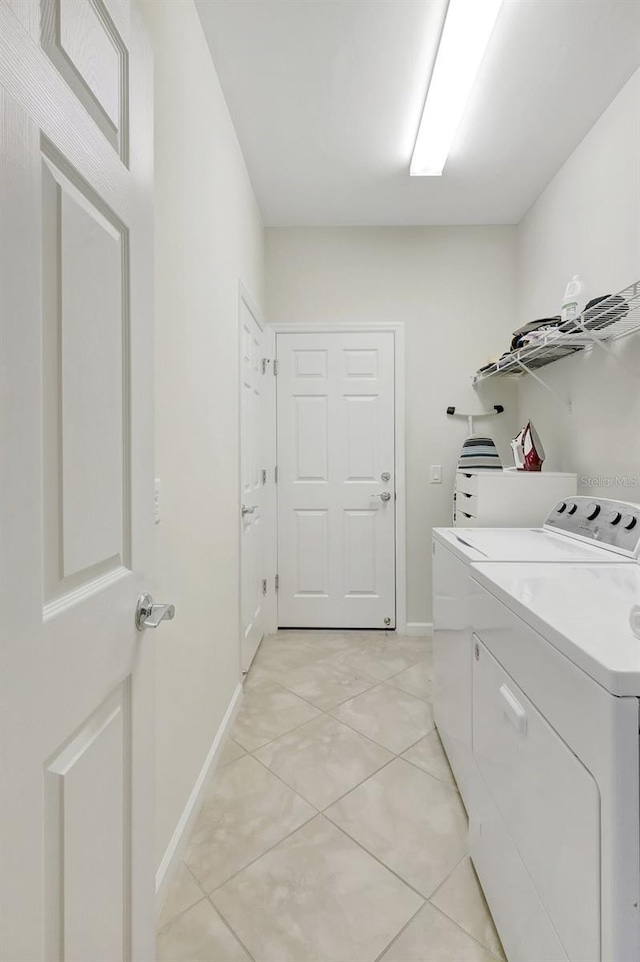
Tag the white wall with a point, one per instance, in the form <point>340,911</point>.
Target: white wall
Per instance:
<point>208,235</point>
<point>587,222</point>
<point>455,290</point>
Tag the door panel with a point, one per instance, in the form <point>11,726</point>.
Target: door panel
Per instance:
<point>88,42</point>
<point>335,440</point>
<point>84,253</point>
<point>87,785</point>
<point>311,438</point>
<point>76,292</point>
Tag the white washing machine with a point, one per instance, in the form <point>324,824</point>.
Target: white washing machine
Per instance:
<point>564,538</point>
<point>555,823</point>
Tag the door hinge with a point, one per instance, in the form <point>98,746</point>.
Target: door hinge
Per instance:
<point>277,583</point>
<point>264,586</point>
<point>275,474</point>
<point>264,475</point>
<point>275,367</point>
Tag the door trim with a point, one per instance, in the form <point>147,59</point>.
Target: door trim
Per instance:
<point>270,554</point>
<point>397,328</point>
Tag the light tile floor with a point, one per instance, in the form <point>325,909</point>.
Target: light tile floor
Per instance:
<point>333,830</point>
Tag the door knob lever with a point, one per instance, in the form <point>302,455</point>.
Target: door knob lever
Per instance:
<point>246,510</point>
<point>149,615</point>
<point>384,496</point>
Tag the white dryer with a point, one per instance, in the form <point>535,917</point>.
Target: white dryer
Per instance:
<point>555,823</point>
<point>564,538</point>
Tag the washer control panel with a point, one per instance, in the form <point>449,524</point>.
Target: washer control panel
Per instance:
<point>612,524</point>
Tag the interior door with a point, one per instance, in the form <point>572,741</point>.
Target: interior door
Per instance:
<point>336,485</point>
<point>254,479</point>
<point>76,276</point>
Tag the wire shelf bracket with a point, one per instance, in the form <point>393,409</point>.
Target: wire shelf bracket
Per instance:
<point>536,377</point>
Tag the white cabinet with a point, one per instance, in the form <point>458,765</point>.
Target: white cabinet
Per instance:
<point>509,498</point>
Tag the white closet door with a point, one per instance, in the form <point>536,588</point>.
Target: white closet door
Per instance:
<point>76,294</point>
<point>253,481</point>
<point>336,490</point>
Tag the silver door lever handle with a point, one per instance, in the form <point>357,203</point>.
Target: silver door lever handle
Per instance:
<point>385,496</point>
<point>246,510</point>
<point>149,615</point>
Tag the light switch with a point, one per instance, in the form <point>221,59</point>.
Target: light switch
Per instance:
<point>436,474</point>
<point>156,501</point>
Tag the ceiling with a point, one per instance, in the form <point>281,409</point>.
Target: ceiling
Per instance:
<point>326,96</point>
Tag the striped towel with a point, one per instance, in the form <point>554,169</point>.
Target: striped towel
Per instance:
<point>479,453</point>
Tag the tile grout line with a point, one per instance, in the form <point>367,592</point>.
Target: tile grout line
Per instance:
<point>455,921</point>
<point>227,925</point>
<point>447,784</point>
<point>464,931</point>
<point>376,858</point>
<point>205,898</point>
<point>345,654</point>
<point>295,791</point>
<point>326,710</point>
<point>398,934</point>
<point>328,713</point>
<point>344,722</point>
<point>316,814</point>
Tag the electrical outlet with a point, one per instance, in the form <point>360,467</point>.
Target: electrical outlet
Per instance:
<point>156,501</point>
<point>436,474</point>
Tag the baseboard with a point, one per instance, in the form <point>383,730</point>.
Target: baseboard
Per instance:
<point>419,628</point>
<point>173,854</point>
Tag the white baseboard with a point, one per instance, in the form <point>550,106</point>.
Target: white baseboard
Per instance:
<point>173,854</point>
<point>419,628</point>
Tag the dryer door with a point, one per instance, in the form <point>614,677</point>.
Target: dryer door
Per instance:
<point>549,803</point>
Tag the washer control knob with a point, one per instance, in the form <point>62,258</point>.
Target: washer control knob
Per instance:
<point>572,507</point>
<point>593,510</point>
<point>629,522</point>
<point>562,506</point>
<point>613,517</point>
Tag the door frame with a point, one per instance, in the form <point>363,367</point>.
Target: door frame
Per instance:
<point>269,504</point>
<point>397,328</point>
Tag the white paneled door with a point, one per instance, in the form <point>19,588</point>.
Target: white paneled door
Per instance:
<point>336,486</point>
<point>76,276</point>
<point>256,480</point>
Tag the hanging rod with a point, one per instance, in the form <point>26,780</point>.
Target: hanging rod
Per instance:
<point>497,409</point>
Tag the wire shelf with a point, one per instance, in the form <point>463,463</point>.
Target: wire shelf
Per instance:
<point>614,317</point>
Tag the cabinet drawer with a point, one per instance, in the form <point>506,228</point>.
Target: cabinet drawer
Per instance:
<point>468,503</point>
<point>467,482</point>
<point>465,520</point>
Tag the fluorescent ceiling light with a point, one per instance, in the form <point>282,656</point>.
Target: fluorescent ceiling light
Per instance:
<point>465,36</point>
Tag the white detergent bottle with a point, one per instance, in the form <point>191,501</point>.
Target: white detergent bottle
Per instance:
<point>573,298</point>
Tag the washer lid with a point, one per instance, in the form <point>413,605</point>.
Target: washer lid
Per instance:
<point>583,610</point>
<point>522,544</point>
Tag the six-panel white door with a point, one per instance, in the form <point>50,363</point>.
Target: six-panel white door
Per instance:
<point>336,525</point>
<point>76,276</point>
<point>253,480</point>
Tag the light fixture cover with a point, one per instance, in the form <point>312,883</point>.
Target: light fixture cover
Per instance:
<point>465,36</point>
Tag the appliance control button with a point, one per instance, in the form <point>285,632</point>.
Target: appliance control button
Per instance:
<point>572,507</point>
<point>561,507</point>
<point>593,510</point>
<point>629,522</point>
<point>613,517</point>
